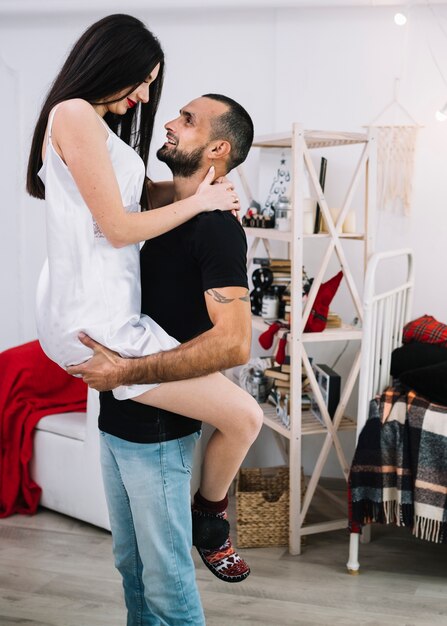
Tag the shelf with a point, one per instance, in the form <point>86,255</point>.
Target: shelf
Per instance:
<point>345,332</point>
<point>259,322</point>
<point>311,426</point>
<point>268,233</point>
<point>314,139</point>
<point>272,233</point>
<point>272,420</point>
<point>309,423</point>
<point>358,236</point>
<point>304,423</point>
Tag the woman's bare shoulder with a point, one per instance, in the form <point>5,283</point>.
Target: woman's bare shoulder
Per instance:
<point>77,117</point>
<point>74,119</point>
<point>76,109</point>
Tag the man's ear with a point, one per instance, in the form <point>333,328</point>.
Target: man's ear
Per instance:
<point>219,149</point>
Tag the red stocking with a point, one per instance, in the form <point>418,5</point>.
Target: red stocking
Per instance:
<point>281,353</point>
<point>318,316</point>
<point>266,339</point>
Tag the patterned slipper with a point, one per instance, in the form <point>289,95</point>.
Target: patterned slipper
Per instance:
<point>225,563</point>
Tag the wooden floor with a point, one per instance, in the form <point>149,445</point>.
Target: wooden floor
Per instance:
<point>58,571</point>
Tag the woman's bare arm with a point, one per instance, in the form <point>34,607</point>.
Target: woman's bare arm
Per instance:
<point>81,139</point>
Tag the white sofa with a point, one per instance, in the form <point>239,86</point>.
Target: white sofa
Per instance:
<point>66,464</point>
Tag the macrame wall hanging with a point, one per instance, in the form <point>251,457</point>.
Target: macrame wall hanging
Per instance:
<point>395,166</point>
<point>396,147</point>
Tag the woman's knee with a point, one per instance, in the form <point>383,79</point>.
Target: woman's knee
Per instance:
<point>252,420</point>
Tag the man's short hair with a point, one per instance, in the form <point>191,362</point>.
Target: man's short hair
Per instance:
<point>235,126</point>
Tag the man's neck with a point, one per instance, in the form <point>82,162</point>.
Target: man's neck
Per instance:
<point>186,187</point>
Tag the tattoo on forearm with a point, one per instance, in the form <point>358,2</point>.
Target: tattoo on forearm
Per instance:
<point>221,299</point>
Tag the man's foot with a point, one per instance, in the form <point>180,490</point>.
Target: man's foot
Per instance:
<point>225,563</point>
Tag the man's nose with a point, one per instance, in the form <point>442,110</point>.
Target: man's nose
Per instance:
<point>170,125</point>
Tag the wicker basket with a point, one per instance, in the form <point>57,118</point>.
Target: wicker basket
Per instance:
<point>262,503</point>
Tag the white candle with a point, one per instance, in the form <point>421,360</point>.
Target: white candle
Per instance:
<point>308,223</point>
<point>334,214</point>
<point>309,205</point>
<point>308,216</point>
<point>349,223</point>
<point>283,224</point>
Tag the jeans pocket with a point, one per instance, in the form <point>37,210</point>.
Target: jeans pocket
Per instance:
<point>197,435</point>
<point>186,446</point>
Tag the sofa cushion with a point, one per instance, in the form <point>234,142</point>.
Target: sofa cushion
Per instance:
<point>71,425</point>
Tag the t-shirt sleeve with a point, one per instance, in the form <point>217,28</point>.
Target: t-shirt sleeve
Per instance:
<point>220,249</point>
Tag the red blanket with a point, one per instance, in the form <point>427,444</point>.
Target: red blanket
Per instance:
<point>31,386</point>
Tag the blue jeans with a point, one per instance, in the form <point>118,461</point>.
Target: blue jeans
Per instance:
<point>148,496</point>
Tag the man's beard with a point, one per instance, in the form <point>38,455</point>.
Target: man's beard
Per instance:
<point>181,163</point>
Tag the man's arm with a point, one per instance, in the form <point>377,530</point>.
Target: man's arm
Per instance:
<point>225,345</point>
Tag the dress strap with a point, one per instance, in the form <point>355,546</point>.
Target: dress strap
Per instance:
<point>50,121</point>
<point>104,123</point>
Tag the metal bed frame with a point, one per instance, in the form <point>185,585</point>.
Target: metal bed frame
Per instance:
<point>385,314</point>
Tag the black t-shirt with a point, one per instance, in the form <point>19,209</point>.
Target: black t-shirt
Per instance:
<point>208,252</point>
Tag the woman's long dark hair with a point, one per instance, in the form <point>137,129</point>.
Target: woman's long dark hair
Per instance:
<point>114,54</point>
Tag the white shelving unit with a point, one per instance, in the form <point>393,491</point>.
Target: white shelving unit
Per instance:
<point>303,423</point>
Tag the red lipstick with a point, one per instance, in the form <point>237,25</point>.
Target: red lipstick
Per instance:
<point>131,103</point>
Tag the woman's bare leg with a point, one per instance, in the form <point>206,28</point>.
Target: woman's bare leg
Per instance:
<point>237,418</point>
<point>216,400</point>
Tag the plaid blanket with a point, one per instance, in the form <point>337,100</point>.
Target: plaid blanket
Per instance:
<point>399,471</point>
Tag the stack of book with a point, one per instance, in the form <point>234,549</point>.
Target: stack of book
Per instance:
<point>280,268</point>
<point>281,382</point>
<point>333,320</point>
<point>286,298</point>
<point>281,377</point>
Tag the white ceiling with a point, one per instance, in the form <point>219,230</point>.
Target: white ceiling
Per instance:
<point>14,7</point>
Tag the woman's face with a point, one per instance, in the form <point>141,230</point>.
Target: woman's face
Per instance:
<point>125,102</point>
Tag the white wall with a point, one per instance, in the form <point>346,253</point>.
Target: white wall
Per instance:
<point>330,68</point>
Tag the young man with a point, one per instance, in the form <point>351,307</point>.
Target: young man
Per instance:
<point>193,282</point>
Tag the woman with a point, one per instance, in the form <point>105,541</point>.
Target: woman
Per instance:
<point>103,102</point>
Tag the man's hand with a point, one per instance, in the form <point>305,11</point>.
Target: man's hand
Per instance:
<point>104,371</point>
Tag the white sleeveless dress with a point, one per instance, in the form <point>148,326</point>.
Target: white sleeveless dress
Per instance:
<point>86,284</point>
